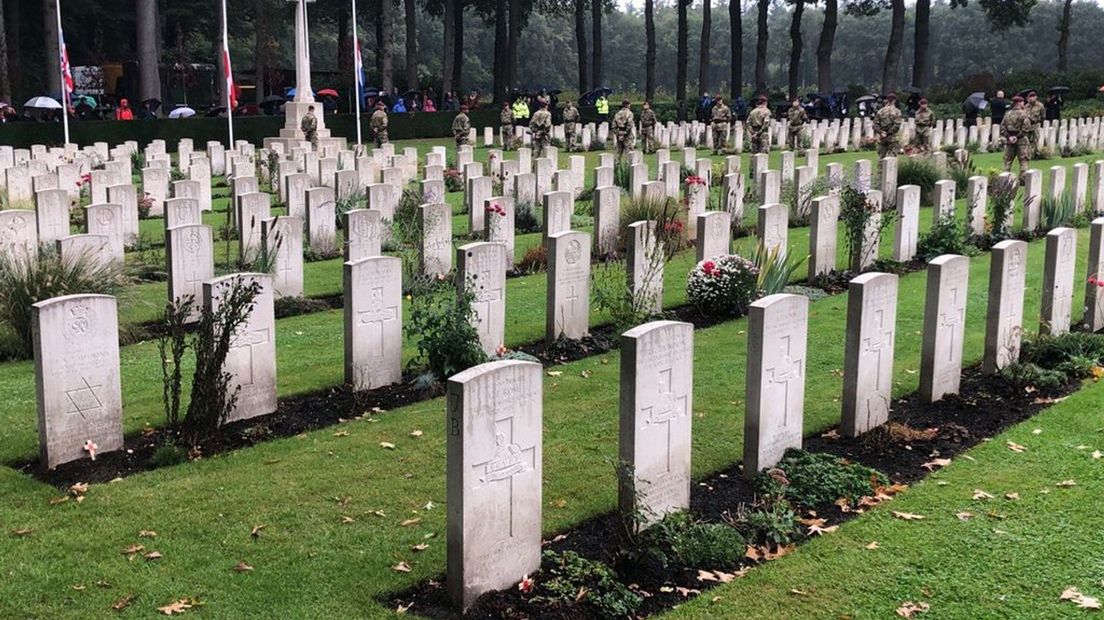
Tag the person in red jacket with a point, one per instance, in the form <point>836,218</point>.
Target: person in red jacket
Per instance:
<point>123,112</point>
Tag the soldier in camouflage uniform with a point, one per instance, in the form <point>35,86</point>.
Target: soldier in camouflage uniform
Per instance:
<point>541,126</point>
<point>623,126</point>
<point>721,118</point>
<point>925,121</point>
<point>378,123</point>
<point>310,128</point>
<point>1015,130</point>
<point>506,125</point>
<point>461,127</point>
<point>647,128</point>
<point>887,122</point>
<point>571,120</point>
<point>797,118</point>
<point>1035,112</point>
<point>758,126</point>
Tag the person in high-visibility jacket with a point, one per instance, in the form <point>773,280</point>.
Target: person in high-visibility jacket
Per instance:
<point>603,106</point>
<point>521,111</point>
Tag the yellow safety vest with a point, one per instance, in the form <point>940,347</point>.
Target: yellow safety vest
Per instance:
<point>603,105</point>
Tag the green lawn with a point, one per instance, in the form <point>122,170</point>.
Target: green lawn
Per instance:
<point>1011,565</point>
<point>307,563</point>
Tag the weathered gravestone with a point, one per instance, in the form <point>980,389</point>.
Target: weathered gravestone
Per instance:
<point>189,253</point>
<point>493,471</point>
<point>107,219</point>
<point>435,255</point>
<point>363,233</point>
<point>499,222</point>
<point>775,380</point>
<point>251,362</point>
<point>1004,313</point>
<point>79,393</point>
<point>607,218</point>
<point>944,327</point>
<point>644,262</point>
<point>657,385</point>
<point>1058,268</point>
<point>868,352</point>
<point>567,309</point>
<point>373,322</point>
<point>252,209</point>
<point>907,233</point>
<point>182,212</point>
<point>823,235</point>
<point>321,221</point>
<point>774,227</point>
<point>481,269</point>
<point>282,244</point>
<point>558,209</point>
<point>1093,319</point>
<point>52,215</point>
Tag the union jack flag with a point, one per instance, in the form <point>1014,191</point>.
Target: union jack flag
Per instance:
<point>66,73</point>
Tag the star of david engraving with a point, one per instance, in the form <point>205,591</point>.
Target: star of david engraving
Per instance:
<point>83,399</point>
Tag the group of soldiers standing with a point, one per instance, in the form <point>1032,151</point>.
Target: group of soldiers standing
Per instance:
<point>1020,130</point>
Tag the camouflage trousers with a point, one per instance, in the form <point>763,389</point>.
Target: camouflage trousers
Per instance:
<point>887,147</point>
<point>540,140</point>
<point>720,137</point>
<point>461,140</point>
<point>647,135</point>
<point>381,138</point>
<point>922,139</point>
<point>571,137</point>
<point>793,137</point>
<point>624,145</point>
<point>507,136</point>
<point>1020,151</point>
<point>760,143</point>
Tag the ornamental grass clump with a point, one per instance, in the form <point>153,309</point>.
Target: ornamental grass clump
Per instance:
<point>724,286</point>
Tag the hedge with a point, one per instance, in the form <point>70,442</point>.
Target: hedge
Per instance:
<point>252,128</point>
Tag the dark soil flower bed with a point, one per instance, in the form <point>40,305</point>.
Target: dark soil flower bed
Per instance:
<point>905,450</point>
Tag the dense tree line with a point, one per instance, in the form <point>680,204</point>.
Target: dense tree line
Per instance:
<point>495,46</point>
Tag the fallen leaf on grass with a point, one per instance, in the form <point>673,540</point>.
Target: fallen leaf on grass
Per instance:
<point>402,609</point>
<point>1037,431</point>
<point>934,463</point>
<point>907,516</point>
<point>59,500</point>
<point>341,434</point>
<point>1012,496</point>
<point>969,458</point>
<point>554,373</point>
<point>872,545</point>
<point>820,530</point>
<point>1015,447</point>
<point>1076,597</point>
<point>242,567</point>
<point>345,520</point>
<point>415,433</point>
<point>256,531</point>
<point>79,587</point>
<point>386,445</point>
<point>964,516</point>
<point>153,555</point>
<point>1065,484</point>
<point>686,592</point>
<point>401,567</point>
<point>178,607</point>
<point>123,603</point>
<point>23,531</point>
<point>133,549</point>
<point>982,495</point>
<point>420,547</point>
<point>147,534</point>
<point>797,592</point>
<point>1097,454</point>
<point>908,609</point>
<point>410,522</point>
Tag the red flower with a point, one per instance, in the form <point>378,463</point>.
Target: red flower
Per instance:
<point>526,584</point>
<point>709,267</point>
<point>1093,280</point>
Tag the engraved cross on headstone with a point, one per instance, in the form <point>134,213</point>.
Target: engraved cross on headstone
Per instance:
<point>245,344</point>
<point>509,460</point>
<point>878,344</point>
<point>377,317</point>
<point>952,320</point>
<point>784,373</point>
<point>668,407</point>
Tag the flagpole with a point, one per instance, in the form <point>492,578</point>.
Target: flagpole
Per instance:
<point>61,74</point>
<point>357,71</point>
<point>226,77</point>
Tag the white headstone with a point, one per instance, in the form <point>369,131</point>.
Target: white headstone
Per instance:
<point>373,322</point>
<point>251,362</point>
<point>868,352</point>
<point>944,327</point>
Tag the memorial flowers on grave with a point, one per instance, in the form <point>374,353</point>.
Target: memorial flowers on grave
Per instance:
<point>724,286</point>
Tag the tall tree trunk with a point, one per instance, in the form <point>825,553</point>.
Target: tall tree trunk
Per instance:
<point>1063,36</point>
<point>386,44</point>
<point>703,51</point>
<point>260,48</point>
<point>761,38</point>
<point>597,71</point>
<point>458,47</point>
<point>14,58</point>
<point>344,41</point>
<point>921,41</point>
<point>50,34</point>
<point>499,72</point>
<point>581,42</point>
<point>448,57</point>
<point>796,47</point>
<point>683,52</point>
<point>5,78</point>
<point>411,44</point>
<point>736,47</point>
<point>512,45</point>
<point>893,49</point>
<point>825,45</point>
<point>650,50</point>
<point>149,73</point>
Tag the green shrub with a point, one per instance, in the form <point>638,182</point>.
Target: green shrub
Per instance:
<point>668,215</point>
<point>38,276</point>
<point>856,211</point>
<point>1001,205</point>
<point>441,324</point>
<point>527,218</point>
<point>960,171</point>
<point>920,171</point>
<point>1053,361</point>
<point>766,523</point>
<point>622,175</point>
<point>1023,375</point>
<point>681,540</point>
<point>815,479</point>
<point>571,578</point>
<point>801,203</point>
<point>168,455</point>
<point>1058,211</point>
<point>947,235</point>
<point>294,306</point>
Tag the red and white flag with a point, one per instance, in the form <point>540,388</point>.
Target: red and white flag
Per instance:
<point>66,73</point>
<point>231,88</point>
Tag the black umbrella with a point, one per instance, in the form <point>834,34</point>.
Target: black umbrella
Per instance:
<point>1059,90</point>
<point>841,90</point>
<point>976,100</point>
<point>1023,93</point>
<point>152,104</point>
<point>214,112</point>
<point>866,98</point>
<point>412,93</point>
<point>911,90</point>
<point>271,99</point>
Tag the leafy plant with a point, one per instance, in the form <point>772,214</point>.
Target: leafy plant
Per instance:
<point>534,261</point>
<point>682,540</point>
<point>668,215</point>
<point>857,211</point>
<point>947,235</point>
<point>767,522</point>
<point>961,168</point>
<point>776,268</point>
<point>26,279</point>
<point>442,326</point>
<point>1048,361</point>
<point>813,479</point>
<point>1058,211</point>
<point>571,578</point>
<point>1001,205</point>
<point>527,218</point>
<point>613,297</point>
<point>801,202</point>
<point>723,286</point>
<point>920,171</point>
<point>454,180</point>
<point>622,175</point>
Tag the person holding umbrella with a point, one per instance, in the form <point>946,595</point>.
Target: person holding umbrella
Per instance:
<point>997,107</point>
<point>1054,107</point>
